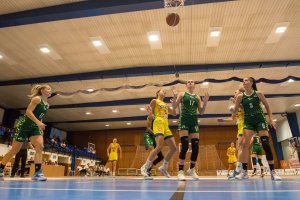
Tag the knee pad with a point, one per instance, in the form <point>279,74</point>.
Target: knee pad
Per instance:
<point>260,163</point>
<point>195,149</point>
<point>159,158</point>
<point>266,147</point>
<point>184,147</point>
<point>254,161</point>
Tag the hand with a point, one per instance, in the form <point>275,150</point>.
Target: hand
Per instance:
<point>272,123</point>
<point>41,126</point>
<point>175,92</point>
<point>149,109</point>
<point>206,97</point>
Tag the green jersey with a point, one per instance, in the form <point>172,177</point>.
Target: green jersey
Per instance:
<point>39,112</point>
<point>256,140</point>
<point>189,104</point>
<point>251,104</point>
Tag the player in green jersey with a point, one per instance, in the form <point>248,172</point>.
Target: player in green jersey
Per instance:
<point>31,127</point>
<point>188,126</point>
<point>256,151</point>
<point>254,121</point>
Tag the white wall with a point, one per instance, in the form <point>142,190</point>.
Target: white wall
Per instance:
<point>283,130</point>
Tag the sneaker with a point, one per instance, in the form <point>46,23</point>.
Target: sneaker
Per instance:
<point>38,176</point>
<point>242,175</point>
<point>181,176</point>
<point>164,171</point>
<point>233,175</point>
<point>144,171</point>
<point>192,172</point>
<point>148,177</point>
<point>253,174</point>
<point>263,174</point>
<point>275,177</point>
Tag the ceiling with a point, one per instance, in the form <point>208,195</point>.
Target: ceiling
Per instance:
<point>126,75</point>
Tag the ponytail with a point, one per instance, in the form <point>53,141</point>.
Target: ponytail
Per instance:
<point>253,83</point>
<point>37,90</point>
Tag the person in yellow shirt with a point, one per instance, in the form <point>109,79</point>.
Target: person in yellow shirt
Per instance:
<point>161,132</point>
<point>112,153</point>
<point>231,153</point>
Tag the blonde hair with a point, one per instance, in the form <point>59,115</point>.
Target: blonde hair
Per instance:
<point>37,90</point>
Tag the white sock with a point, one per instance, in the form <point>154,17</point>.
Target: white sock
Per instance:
<point>165,164</point>
<point>147,164</point>
<point>239,167</point>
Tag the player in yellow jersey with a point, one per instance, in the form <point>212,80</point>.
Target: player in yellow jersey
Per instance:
<point>231,153</point>
<point>161,132</point>
<point>112,153</point>
<point>239,118</point>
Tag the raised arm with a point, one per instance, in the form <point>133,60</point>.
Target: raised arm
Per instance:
<point>237,104</point>
<point>202,107</point>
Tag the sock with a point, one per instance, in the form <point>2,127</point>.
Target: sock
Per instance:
<point>181,167</point>
<point>148,163</point>
<point>192,165</point>
<point>2,166</point>
<point>38,167</point>
<point>238,167</point>
<point>245,166</point>
<point>165,164</point>
<point>271,167</point>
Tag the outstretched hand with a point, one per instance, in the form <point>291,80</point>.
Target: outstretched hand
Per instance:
<point>206,97</point>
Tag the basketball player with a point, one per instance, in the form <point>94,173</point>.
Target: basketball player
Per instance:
<point>150,143</point>
<point>112,153</point>
<point>31,126</point>
<point>188,126</point>
<point>256,152</point>
<point>254,122</point>
<point>161,132</point>
<point>231,153</point>
<point>239,118</point>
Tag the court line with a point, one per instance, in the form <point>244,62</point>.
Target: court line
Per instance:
<point>152,191</point>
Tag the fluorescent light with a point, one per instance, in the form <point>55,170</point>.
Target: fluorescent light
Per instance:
<point>291,80</point>
<point>88,113</point>
<point>171,107</point>
<point>280,29</point>
<point>114,111</point>
<point>153,37</point>
<point>128,123</point>
<point>90,90</point>
<point>274,120</point>
<point>198,120</point>
<point>174,121</point>
<point>205,83</point>
<point>142,109</point>
<point>97,43</point>
<point>297,105</point>
<point>215,33</point>
<point>45,50</point>
<point>107,125</point>
<point>1,56</point>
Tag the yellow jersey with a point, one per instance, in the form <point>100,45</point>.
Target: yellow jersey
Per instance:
<point>161,109</point>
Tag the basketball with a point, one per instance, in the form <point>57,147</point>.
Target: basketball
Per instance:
<point>172,19</point>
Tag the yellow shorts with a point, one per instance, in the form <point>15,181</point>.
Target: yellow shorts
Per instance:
<point>232,159</point>
<point>161,127</point>
<point>113,156</point>
<point>240,130</point>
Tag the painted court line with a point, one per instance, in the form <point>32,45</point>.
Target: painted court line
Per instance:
<point>153,191</point>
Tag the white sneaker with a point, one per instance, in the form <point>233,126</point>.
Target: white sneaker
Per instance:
<point>181,176</point>
<point>148,177</point>
<point>38,176</point>
<point>144,171</point>
<point>253,174</point>
<point>192,172</point>
<point>164,171</point>
<point>242,175</point>
<point>233,175</point>
<point>274,176</point>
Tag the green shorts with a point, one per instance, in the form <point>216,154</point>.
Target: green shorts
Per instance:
<point>149,140</point>
<point>188,123</point>
<point>256,149</point>
<point>256,123</point>
<point>26,129</point>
